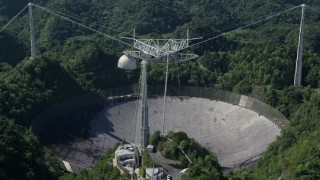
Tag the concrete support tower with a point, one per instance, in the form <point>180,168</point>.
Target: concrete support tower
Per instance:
<point>153,50</point>
<point>144,99</point>
<point>32,38</point>
<point>298,71</point>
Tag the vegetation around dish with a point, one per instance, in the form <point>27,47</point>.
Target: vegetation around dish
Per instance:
<point>147,162</point>
<point>203,165</point>
<point>103,170</point>
<point>258,61</point>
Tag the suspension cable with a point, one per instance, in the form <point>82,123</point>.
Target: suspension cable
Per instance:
<point>66,15</point>
<point>5,26</point>
<point>81,25</point>
<point>178,74</point>
<point>58,14</point>
<point>242,27</point>
<point>313,9</point>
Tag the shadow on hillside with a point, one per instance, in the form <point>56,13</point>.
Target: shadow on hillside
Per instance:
<point>76,124</point>
<point>12,51</point>
<point>102,125</point>
<point>69,127</point>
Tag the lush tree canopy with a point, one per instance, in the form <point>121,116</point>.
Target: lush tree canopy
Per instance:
<point>259,59</point>
<point>21,155</point>
<point>204,164</point>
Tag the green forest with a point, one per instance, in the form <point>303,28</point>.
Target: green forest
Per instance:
<point>202,163</point>
<point>258,61</point>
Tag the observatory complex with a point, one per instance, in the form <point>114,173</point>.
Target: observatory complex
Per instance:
<point>237,128</point>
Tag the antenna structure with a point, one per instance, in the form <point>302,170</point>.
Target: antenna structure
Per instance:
<point>298,70</point>
<point>32,37</point>
<point>153,50</point>
<point>156,50</point>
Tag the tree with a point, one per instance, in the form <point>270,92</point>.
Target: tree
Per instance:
<point>21,155</point>
<point>155,138</point>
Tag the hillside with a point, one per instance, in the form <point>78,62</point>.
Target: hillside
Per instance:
<point>73,61</point>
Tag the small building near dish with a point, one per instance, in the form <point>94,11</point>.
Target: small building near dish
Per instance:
<point>127,158</point>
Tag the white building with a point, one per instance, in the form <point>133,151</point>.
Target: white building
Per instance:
<point>155,174</point>
<point>127,158</point>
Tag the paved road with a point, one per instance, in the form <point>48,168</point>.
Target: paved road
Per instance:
<point>165,163</point>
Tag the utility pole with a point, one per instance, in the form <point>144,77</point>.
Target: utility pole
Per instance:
<point>32,38</point>
<point>298,71</point>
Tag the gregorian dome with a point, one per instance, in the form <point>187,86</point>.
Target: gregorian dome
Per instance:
<point>126,62</point>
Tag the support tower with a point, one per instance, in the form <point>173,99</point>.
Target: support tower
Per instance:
<point>152,50</point>
<point>32,38</point>
<point>298,71</point>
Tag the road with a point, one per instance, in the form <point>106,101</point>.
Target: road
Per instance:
<point>166,164</point>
